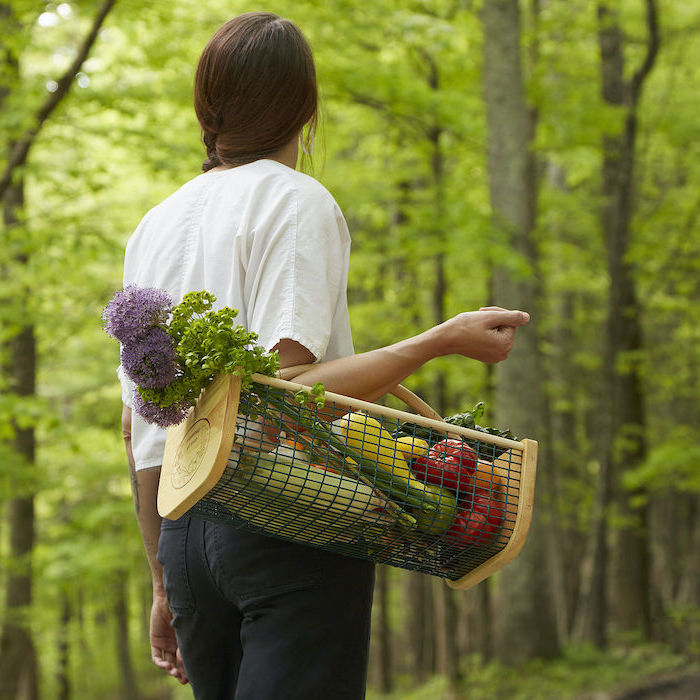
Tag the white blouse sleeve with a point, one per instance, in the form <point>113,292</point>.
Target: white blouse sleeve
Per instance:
<point>297,279</point>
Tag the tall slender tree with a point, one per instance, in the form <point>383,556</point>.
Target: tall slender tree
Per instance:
<point>623,404</point>
<point>525,625</point>
<point>18,672</point>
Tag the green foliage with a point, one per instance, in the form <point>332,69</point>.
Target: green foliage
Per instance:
<point>670,465</point>
<point>317,396</point>
<point>208,343</point>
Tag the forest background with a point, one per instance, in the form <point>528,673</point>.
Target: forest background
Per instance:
<point>540,155</point>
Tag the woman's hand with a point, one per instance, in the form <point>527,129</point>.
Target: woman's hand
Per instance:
<point>486,335</point>
<point>164,649</point>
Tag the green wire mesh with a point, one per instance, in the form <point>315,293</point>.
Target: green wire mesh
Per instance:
<point>306,474</point>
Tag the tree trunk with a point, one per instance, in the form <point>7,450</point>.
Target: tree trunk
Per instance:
<point>525,625</point>
<point>18,672</point>
<point>385,669</point>
<point>440,239</point>
<point>568,458</point>
<point>688,597</point>
<point>18,675</point>
<point>478,633</point>
<point>592,615</point>
<point>63,651</point>
<point>121,612</point>
<point>626,447</point>
<point>421,630</point>
<point>446,643</point>
<point>447,629</point>
<point>483,599</point>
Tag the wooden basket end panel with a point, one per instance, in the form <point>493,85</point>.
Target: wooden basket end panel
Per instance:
<point>526,498</point>
<point>196,451</point>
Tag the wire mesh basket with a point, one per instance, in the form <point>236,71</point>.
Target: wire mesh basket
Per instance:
<point>356,478</point>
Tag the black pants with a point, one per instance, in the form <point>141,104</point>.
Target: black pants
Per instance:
<point>258,618</point>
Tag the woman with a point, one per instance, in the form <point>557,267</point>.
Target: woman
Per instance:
<point>254,617</point>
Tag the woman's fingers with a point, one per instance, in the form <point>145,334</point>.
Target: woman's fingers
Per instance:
<point>504,317</point>
<point>158,657</point>
<point>170,662</point>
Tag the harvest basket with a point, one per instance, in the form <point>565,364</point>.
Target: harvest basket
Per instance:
<point>338,477</point>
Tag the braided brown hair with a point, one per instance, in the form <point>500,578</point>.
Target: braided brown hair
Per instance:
<point>255,89</point>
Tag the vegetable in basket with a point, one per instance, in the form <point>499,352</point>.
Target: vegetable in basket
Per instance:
<point>275,501</point>
<point>440,521</point>
<point>451,463</point>
<point>294,448</point>
<point>310,486</point>
<point>372,448</point>
<point>478,524</point>
<point>396,486</point>
<point>463,420</point>
<point>365,434</point>
<point>412,447</point>
<point>437,507</point>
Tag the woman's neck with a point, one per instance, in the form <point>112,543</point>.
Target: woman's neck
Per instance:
<point>289,154</point>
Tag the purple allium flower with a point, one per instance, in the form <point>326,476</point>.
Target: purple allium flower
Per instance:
<point>164,417</point>
<point>134,310</point>
<point>149,359</point>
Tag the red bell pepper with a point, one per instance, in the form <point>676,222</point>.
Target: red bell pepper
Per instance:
<point>476,525</point>
<point>450,463</point>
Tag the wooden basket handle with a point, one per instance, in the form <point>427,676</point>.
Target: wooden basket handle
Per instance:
<point>399,391</point>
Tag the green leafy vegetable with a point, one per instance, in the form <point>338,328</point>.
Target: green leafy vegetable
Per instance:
<point>208,343</point>
<point>463,420</point>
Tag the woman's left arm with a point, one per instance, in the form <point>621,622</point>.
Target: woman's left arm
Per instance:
<point>486,335</point>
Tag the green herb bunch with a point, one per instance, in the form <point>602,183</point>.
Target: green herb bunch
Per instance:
<point>208,343</point>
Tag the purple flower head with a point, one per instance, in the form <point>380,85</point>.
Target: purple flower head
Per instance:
<point>133,310</point>
<point>164,417</point>
<point>149,359</point>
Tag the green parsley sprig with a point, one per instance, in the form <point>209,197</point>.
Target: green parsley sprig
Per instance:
<point>207,343</point>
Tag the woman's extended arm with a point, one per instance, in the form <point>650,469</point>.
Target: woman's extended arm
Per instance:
<point>144,489</point>
<point>486,335</point>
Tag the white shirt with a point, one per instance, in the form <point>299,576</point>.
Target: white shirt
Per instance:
<point>264,239</point>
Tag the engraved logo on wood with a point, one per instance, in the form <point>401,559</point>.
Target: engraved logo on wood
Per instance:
<point>191,453</point>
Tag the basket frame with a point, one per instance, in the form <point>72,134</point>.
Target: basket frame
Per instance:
<point>197,451</point>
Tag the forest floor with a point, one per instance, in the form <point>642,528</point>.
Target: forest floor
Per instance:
<point>625,672</point>
<point>684,686</point>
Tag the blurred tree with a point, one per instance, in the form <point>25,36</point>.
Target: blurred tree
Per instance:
<point>623,441</point>
<point>525,625</point>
